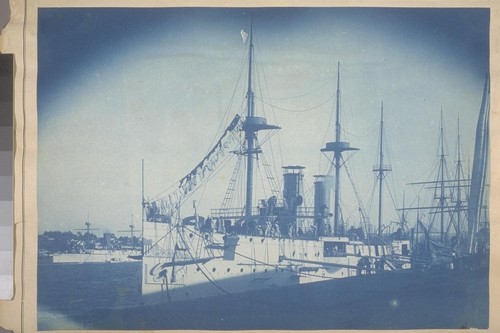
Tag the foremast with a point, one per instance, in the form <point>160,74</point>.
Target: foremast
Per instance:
<point>251,126</point>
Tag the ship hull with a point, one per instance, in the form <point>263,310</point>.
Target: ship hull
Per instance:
<point>92,257</point>
<point>180,263</point>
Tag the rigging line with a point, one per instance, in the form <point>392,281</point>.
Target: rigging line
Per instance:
<point>222,289</point>
<point>226,113</point>
<point>273,114</point>
<point>203,188</point>
<point>229,195</point>
<point>261,180</point>
<point>171,188</point>
<point>272,152</point>
<point>372,195</point>
<point>159,240</point>
<point>308,192</point>
<point>201,270</point>
<point>356,193</point>
<point>368,130</point>
<point>205,181</point>
<point>430,172</point>
<point>275,184</point>
<point>390,194</point>
<point>214,173</point>
<point>296,110</point>
<point>257,77</point>
<point>174,185</point>
<point>328,128</point>
<point>394,189</point>
<point>327,81</point>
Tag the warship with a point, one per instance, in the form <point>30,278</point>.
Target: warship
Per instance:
<point>88,249</point>
<point>275,242</point>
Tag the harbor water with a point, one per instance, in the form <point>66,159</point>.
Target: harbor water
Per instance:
<point>107,296</point>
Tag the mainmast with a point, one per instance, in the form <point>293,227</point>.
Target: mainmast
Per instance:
<point>337,147</point>
<point>250,135</point>
<point>381,170</point>
<point>251,126</point>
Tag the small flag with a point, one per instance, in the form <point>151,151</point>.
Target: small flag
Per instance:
<point>244,35</point>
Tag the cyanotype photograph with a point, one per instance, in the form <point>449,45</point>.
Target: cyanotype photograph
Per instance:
<point>263,168</point>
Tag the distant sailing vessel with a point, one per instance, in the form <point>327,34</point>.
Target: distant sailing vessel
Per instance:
<point>278,242</point>
<point>460,207</point>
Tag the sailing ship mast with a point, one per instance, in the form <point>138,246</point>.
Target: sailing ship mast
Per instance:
<point>442,162</point>
<point>337,147</point>
<point>381,170</point>
<point>459,204</point>
<point>439,184</point>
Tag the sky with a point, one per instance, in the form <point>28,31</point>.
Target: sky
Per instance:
<point>118,86</point>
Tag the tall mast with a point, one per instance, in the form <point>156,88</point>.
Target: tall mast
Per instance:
<point>337,108</point>
<point>143,205</point>
<point>459,182</point>
<point>441,172</point>
<point>381,170</point>
<point>338,156</point>
<point>251,126</point>
<point>250,135</point>
<point>403,216</point>
<point>337,147</point>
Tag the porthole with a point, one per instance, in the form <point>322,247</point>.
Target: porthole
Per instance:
<point>251,239</point>
<point>228,270</point>
<point>265,270</point>
<point>262,240</point>
<point>213,269</point>
<point>190,235</point>
<point>197,269</point>
<point>241,270</point>
<point>254,270</point>
<point>293,254</point>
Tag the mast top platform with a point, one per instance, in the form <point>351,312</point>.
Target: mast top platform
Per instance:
<point>254,124</point>
<point>338,147</point>
<point>382,168</point>
<point>294,167</point>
